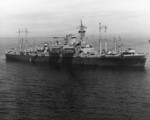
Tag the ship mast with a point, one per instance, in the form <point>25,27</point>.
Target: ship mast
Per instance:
<point>21,40</point>
<point>100,39</point>
<point>115,42</point>
<point>120,44</point>
<point>26,32</point>
<point>105,40</point>
<point>19,32</point>
<point>20,45</point>
<point>100,42</point>
<point>82,31</point>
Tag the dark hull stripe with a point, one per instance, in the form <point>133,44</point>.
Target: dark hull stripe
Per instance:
<point>101,61</point>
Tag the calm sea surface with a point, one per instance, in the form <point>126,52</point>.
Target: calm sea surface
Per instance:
<point>46,92</point>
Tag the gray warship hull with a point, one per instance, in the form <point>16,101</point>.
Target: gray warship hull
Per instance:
<point>109,60</point>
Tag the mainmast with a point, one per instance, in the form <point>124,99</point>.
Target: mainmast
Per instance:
<point>82,31</point>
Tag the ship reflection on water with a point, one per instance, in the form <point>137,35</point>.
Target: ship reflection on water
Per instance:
<point>40,91</point>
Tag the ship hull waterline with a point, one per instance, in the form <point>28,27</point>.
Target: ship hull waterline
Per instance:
<point>138,61</point>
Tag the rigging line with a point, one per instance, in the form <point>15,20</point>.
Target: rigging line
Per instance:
<point>111,32</point>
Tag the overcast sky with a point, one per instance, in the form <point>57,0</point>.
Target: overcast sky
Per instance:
<point>52,17</point>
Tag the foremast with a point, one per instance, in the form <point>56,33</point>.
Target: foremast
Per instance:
<point>82,31</point>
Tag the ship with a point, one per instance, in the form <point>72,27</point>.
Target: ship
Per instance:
<point>79,52</point>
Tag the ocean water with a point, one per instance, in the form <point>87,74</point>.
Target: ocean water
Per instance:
<point>47,92</point>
